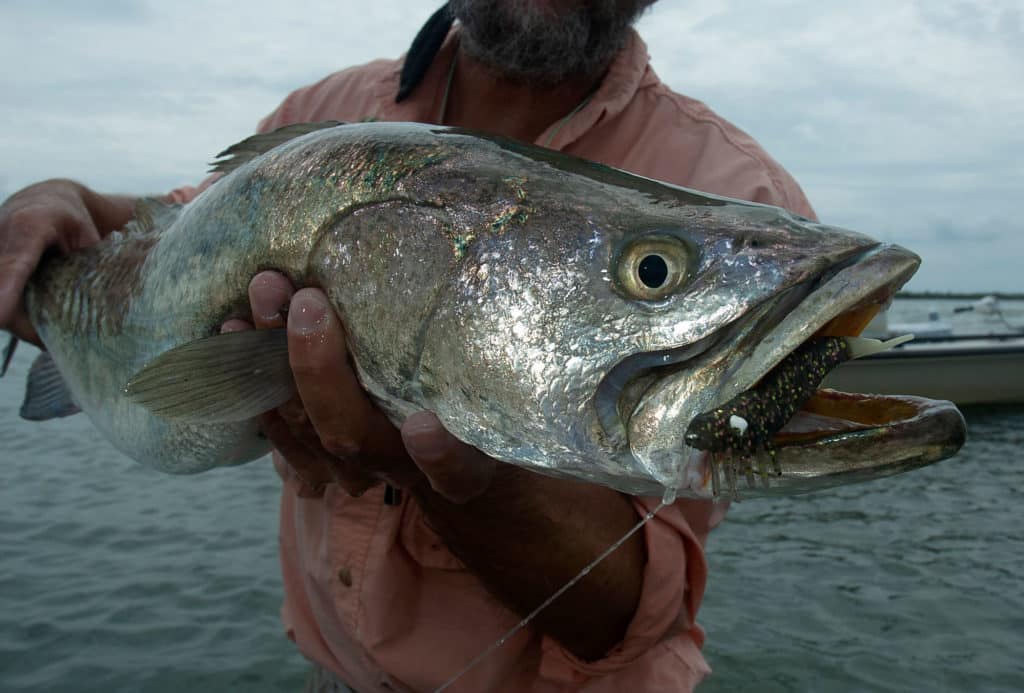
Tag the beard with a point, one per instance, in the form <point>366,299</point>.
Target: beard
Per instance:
<point>527,43</point>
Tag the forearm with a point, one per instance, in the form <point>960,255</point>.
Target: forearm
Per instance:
<point>528,535</point>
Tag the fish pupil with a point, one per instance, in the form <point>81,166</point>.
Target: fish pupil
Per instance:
<point>652,271</point>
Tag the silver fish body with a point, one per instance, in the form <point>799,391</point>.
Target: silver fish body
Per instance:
<point>555,313</point>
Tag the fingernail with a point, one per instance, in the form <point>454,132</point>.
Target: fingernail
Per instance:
<point>307,315</point>
<point>234,326</point>
<point>268,298</point>
<point>424,438</point>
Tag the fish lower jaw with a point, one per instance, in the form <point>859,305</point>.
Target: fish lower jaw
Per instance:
<point>832,412</point>
<point>837,438</point>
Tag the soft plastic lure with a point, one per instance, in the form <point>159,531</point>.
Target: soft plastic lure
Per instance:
<point>742,428</point>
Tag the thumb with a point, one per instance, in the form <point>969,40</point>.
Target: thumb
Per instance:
<point>457,471</point>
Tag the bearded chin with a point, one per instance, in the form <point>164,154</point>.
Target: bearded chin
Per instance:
<point>541,46</point>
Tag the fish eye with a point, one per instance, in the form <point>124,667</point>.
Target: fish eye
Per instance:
<point>651,268</point>
<point>652,271</point>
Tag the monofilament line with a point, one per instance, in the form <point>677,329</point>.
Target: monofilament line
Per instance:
<point>667,499</point>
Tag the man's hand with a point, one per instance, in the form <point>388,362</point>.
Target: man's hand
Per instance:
<point>57,214</point>
<point>331,431</point>
<point>522,535</point>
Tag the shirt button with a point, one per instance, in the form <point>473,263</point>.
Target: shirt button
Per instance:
<point>345,576</point>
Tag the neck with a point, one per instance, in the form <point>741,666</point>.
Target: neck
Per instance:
<point>480,101</point>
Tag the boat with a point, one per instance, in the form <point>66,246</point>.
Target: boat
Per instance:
<point>941,363</point>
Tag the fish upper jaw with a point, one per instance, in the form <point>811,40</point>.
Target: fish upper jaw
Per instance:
<point>839,302</point>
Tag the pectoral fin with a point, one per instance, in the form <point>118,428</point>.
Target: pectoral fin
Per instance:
<point>46,395</point>
<point>224,378</point>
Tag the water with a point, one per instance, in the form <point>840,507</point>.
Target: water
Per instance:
<point>117,578</point>
<point>914,583</point>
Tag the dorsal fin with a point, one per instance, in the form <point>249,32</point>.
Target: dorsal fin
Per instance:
<point>251,147</point>
<point>152,215</point>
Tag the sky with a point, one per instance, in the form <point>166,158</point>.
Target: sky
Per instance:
<point>900,119</point>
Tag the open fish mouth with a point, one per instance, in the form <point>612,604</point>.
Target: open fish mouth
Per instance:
<point>744,403</point>
<point>786,436</point>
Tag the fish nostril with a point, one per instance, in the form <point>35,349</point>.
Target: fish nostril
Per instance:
<point>750,242</point>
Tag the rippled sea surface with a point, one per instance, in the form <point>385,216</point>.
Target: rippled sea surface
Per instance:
<point>117,578</point>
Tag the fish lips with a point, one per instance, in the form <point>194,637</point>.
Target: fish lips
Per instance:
<point>912,434</point>
<point>859,438</point>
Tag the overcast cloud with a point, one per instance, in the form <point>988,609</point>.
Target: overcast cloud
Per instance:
<point>900,119</point>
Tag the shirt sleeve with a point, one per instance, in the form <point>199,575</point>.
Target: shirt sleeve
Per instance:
<point>663,640</point>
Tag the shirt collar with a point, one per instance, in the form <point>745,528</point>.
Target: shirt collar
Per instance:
<point>423,105</point>
<point>627,73</point>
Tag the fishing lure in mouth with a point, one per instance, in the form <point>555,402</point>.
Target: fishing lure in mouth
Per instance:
<point>741,429</point>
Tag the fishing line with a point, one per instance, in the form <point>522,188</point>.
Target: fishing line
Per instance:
<point>667,499</point>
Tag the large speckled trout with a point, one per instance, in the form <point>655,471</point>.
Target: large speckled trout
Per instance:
<point>554,313</point>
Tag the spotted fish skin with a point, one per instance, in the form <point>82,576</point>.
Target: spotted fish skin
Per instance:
<point>767,407</point>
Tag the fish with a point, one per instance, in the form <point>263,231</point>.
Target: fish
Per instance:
<point>555,313</point>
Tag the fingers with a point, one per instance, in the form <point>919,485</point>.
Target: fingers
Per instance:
<point>20,250</point>
<point>313,475</point>
<point>235,326</point>
<point>455,470</point>
<point>337,407</point>
<point>269,295</point>
<point>14,273</point>
<point>21,327</point>
<point>331,431</point>
<point>293,413</point>
<point>292,435</point>
<point>311,465</point>
<point>316,350</point>
<point>32,220</point>
<point>22,243</point>
<point>315,447</point>
<point>347,424</point>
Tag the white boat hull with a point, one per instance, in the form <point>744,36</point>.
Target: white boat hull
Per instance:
<point>966,370</point>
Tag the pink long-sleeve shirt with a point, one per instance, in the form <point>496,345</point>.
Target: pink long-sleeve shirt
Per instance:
<point>371,592</point>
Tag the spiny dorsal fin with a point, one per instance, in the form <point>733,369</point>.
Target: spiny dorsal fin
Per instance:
<point>251,147</point>
<point>152,215</point>
<point>46,395</point>
<point>227,377</point>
